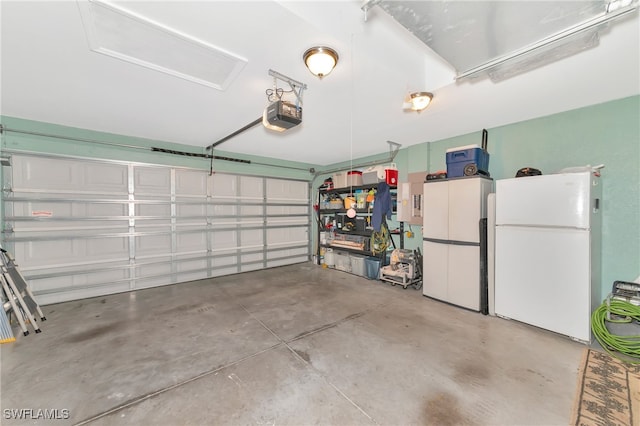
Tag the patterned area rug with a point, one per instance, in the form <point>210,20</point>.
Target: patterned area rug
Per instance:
<point>608,392</point>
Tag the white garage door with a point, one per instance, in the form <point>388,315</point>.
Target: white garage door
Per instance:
<point>84,228</point>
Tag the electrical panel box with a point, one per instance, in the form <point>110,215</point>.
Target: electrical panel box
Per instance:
<point>410,203</point>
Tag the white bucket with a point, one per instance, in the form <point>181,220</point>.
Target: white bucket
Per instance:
<point>329,258</point>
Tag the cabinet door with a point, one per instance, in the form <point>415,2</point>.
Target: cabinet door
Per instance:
<point>435,270</point>
<point>464,276</point>
<point>464,209</point>
<point>436,210</point>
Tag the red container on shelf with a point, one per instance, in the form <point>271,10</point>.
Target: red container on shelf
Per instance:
<point>391,175</point>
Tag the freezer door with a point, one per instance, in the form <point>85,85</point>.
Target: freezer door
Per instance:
<point>548,200</point>
<point>436,210</point>
<point>542,278</point>
<point>435,272</point>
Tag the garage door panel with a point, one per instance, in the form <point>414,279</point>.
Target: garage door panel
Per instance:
<point>287,235</point>
<point>91,228</point>
<point>191,211</point>
<point>48,253</point>
<point>67,208</point>
<point>224,186</point>
<point>251,187</point>
<point>222,272</point>
<point>302,210</point>
<point>72,228</point>
<point>225,261</point>
<point>192,265</point>
<point>300,251</point>
<point>106,177</point>
<point>192,270</point>
<point>153,270</point>
<point>224,239</point>
<point>70,176</point>
<point>284,262</point>
<point>79,280</point>
<point>191,242</point>
<point>42,174</point>
<point>224,210</point>
<point>281,189</point>
<point>191,182</point>
<point>107,248</point>
<point>184,277</point>
<point>154,210</point>
<point>155,281</point>
<point>43,209</point>
<point>252,237</point>
<point>102,209</point>
<point>152,180</point>
<point>251,211</point>
<point>35,254</point>
<point>250,258</point>
<point>286,222</point>
<point>149,245</point>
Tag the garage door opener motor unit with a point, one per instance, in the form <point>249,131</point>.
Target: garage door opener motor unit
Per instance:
<point>283,114</point>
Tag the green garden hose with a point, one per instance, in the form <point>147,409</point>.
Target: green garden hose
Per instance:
<point>625,348</point>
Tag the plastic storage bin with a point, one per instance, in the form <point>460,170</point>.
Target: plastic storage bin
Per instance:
<point>342,261</point>
<point>357,265</point>
<point>372,267</point>
<point>373,175</point>
<point>339,180</point>
<point>459,158</point>
<point>354,178</point>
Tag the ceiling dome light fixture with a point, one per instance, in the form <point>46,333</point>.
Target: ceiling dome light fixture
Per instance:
<point>320,60</point>
<point>420,100</point>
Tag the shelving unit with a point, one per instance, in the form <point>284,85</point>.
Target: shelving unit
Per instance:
<point>348,238</point>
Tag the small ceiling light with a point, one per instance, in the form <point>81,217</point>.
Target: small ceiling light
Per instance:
<point>420,100</point>
<point>320,60</point>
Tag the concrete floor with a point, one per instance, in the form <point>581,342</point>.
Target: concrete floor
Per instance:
<point>292,345</point>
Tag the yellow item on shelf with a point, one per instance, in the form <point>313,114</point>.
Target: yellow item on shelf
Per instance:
<point>349,202</point>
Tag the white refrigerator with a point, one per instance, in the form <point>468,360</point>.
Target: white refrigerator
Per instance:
<point>452,266</point>
<point>547,251</point>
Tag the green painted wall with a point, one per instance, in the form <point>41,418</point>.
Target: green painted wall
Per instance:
<point>139,151</point>
<point>606,134</point>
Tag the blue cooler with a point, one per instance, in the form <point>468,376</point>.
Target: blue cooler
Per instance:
<point>458,158</point>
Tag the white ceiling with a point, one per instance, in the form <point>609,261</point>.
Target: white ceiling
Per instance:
<point>50,74</point>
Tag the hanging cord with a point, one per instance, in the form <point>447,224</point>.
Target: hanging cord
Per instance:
<point>276,94</point>
<point>623,347</point>
<point>351,122</point>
